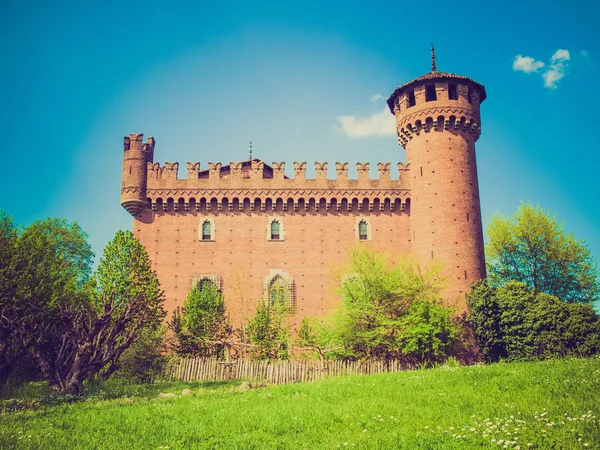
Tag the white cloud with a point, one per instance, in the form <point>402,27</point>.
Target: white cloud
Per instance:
<point>527,64</point>
<point>561,55</point>
<point>378,124</point>
<point>554,71</point>
<point>376,97</point>
<point>557,68</point>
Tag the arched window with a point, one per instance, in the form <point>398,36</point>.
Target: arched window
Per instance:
<point>278,290</point>
<point>363,230</point>
<point>275,230</point>
<point>206,231</point>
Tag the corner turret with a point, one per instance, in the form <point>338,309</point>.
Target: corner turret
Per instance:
<point>136,157</point>
<point>438,122</point>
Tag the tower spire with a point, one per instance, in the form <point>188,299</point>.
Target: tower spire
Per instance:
<point>250,151</point>
<point>433,68</point>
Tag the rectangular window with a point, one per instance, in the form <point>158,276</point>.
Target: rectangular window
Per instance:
<point>452,94</point>
<point>411,98</point>
<point>430,94</point>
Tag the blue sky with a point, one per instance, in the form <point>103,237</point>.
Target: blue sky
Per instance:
<point>303,81</point>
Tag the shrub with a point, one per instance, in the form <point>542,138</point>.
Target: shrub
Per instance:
<point>513,322</point>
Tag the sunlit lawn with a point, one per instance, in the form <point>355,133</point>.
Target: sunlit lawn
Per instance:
<point>553,404</point>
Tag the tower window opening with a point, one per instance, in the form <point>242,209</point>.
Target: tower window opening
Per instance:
<point>206,231</point>
<point>467,217</point>
<point>275,230</point>
<point>421,170</point>
<point>452,94</point>
<point>430,94</point>
<point>362,230</point>
<point>129,170</point>
<point>469,96</point>
<point>411,98</point>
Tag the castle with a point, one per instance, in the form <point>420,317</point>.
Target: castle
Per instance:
<point>254,232</point>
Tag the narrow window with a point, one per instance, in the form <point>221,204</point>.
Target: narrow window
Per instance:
<point>465,274</point>
<point>129,170</point>
<point>411,98</point>
<point>467,217</point>
<point>362,230</point>
<point>452,94</point>
<point>206,231</point>
<point>275,230</point>
<point>430,94</point>
<point>421,171</point>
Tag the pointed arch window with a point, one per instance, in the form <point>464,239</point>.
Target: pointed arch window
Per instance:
<point>275,230</point>
<point>363,230</point>
<point>279,289</point>
<point>206,230</point>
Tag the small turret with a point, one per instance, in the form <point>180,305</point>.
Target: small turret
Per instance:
<point>136,157</point>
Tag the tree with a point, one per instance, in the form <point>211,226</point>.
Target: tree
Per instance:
<point>532,247</point>
<point>318,336</point>
<point>267,332</point>
<point>10,352</point>
<point>514,322</point>
<point>392,309</point>
<point>51,265</point>
<point>202,327</point>
<point>74,325</point>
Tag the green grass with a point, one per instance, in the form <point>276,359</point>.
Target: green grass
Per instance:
<point>547,405</point>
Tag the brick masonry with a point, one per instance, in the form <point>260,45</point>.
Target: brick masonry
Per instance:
<point>432,210</point>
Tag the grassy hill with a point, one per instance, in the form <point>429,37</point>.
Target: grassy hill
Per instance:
<point>552,404</point>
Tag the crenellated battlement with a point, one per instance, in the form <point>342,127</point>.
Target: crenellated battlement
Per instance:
<point>244,173</point>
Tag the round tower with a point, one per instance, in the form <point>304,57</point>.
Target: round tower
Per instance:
<point>438,122</point>
<point>134,177</point>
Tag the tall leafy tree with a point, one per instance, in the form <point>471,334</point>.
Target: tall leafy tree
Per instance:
<point>51,266</point>
<point>532,247</point>
<point>392,309</point>
<point>202,327</point>
<point>268,332</point>
<point>76,325</point>
<point>10,351</point>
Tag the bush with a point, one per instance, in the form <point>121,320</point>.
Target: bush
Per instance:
<point>145,361</point>
<point>513,322</point>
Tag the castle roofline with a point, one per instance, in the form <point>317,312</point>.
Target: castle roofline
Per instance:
<point>434,76</point>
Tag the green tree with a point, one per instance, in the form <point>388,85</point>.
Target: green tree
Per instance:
<point>202,327</point>
<point>76,326</point>
<point>533,247</point>
<point>51,266</point>
<point>316,335</point>
<point>515,323</point>
<point>267,331</point>
<point>392,309</point>
<point>10,351</point>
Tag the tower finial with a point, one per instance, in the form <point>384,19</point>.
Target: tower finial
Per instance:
<point>250,151</point>
<point>433,68</point>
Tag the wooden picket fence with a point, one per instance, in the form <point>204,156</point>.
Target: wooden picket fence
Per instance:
<point>277,372</point>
